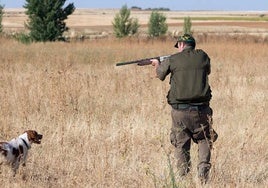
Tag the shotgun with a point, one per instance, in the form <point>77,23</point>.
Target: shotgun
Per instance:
<point>142,62</point>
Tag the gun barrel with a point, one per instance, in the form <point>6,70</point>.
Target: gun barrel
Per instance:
<point>126,63</point>
<point>142,62</point>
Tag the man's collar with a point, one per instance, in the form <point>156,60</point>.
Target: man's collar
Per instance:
<point>188,48</point>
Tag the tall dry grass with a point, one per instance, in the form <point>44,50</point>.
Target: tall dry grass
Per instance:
<point>108,126</point>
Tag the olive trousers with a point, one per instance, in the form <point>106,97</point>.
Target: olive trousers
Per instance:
<point>192,124</point>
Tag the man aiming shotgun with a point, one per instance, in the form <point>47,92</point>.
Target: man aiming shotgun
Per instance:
<point>189,96</point>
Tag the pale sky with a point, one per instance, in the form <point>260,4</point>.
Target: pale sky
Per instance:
<point>233,5</point>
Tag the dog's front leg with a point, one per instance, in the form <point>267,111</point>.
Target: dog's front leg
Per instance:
<point>23,159</point>
<point>15,166</point>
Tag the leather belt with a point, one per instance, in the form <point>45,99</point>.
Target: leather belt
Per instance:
<point>189,106</point>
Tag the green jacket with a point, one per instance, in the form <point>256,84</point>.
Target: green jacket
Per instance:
<point>189,76</point>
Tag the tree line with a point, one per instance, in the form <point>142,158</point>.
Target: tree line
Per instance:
<point>150,9</point>
<point>47,21</point>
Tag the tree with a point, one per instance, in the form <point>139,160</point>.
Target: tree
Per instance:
<point>124,25</point>
<point>46,19</point>
<point>1,17</point>
<point>187,25</point>
<point>157,24</point>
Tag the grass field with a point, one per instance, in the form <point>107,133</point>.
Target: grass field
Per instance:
<point>108,126</point>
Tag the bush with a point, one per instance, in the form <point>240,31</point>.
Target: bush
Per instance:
<point>23,38</point>
<point>157,24</point>
<point>46,19</point>
<point>123,24</point>
<point>187,25</point>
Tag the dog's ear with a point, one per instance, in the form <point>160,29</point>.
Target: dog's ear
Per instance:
<point>31,134</point>
<point>34,137</point>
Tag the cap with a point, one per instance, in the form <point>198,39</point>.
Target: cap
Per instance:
<point>187,38</point>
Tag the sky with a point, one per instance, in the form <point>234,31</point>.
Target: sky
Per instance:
<point>184,5</point>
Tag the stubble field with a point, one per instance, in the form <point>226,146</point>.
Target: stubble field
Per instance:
<point>108,126</point>
<point>97,23</point>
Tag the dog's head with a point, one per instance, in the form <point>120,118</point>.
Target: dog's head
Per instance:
<point>34,137</point>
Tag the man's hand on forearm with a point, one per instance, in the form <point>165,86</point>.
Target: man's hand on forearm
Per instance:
<point>155,63</point>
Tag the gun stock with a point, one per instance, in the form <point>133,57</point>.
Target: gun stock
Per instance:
<point>142,62</point>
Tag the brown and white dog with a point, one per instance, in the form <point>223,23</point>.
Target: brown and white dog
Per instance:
<point>15,151</point>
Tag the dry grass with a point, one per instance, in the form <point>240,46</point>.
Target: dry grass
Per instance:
<point>107,126</point>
